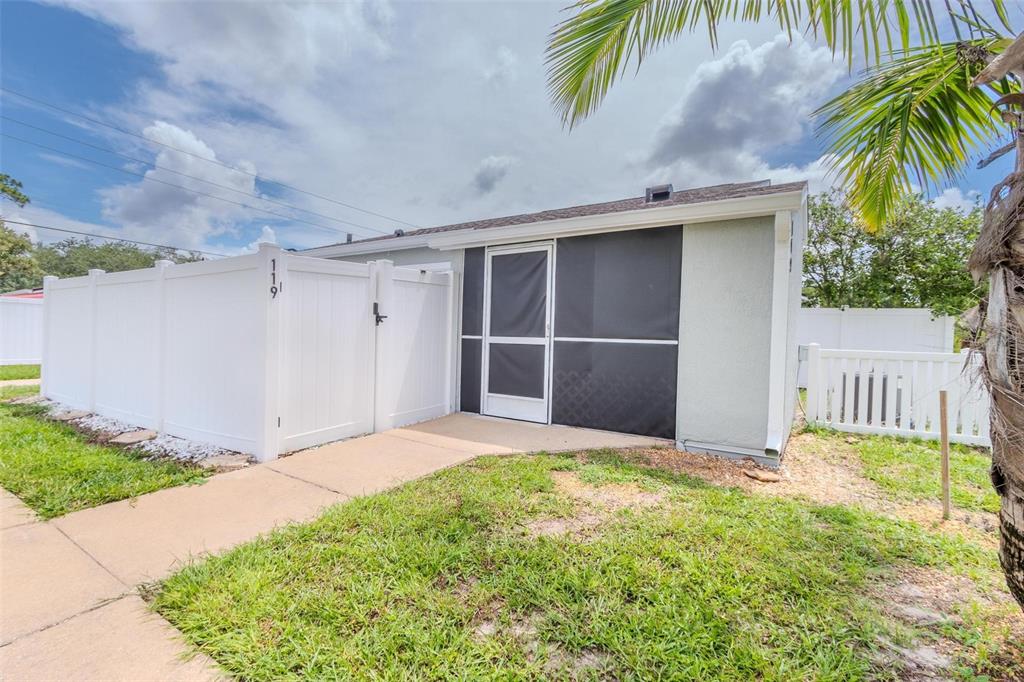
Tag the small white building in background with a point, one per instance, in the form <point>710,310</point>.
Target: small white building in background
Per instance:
<point>21,328</point>
<point>915,330</point>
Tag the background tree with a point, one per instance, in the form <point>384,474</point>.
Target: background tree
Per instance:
<point>75,257</point>
<point>18,267</point>
<point>914,261</point>
<point>924,106</point>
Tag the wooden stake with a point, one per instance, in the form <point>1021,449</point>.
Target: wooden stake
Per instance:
<point>944,435</point>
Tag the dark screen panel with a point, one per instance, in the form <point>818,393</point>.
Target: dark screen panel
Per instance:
<point>619,285</point>
<point>516,369</point>
<point>625,387</point>
<point>519,294</point>
<point>469,386</point>
<point>473,292</point>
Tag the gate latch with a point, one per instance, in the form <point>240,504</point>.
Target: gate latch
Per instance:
<point>376,313</point>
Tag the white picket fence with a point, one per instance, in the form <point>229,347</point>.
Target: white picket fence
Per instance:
<point>265,354</point>
<point>897,393</point>
<point>21,331</point>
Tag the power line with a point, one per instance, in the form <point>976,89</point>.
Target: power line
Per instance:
<point>203,158</point>
<point>103,236</point>
<point>171,184</point>
<point>108,150</point>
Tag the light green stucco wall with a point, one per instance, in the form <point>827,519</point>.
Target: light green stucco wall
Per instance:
<point>725,333</point>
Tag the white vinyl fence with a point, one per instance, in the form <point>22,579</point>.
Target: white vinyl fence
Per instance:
<point>897,393</point>
<point>21,331</point>
<point>887,329</point>
<point>266,353</point>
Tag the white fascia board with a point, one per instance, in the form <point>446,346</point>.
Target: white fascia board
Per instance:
<point>726,209</point>
<point>376,246</point>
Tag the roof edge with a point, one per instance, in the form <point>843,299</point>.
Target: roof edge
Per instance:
<point>705,211</point>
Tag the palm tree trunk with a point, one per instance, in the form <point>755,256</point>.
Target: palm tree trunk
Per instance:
<point>1000,253</point>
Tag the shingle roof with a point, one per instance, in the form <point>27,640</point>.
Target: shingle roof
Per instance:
<point>696,195</point>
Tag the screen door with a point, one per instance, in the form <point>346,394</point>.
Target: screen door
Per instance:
<point>517,332</point>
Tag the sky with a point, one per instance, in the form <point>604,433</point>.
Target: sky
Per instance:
<point>216,125</point>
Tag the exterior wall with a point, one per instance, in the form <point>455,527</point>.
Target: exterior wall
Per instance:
<point>724,336</point>
<point>796,275</point>
<point>405,257</point>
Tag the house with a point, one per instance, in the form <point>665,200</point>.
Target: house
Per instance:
<point>671,314</point>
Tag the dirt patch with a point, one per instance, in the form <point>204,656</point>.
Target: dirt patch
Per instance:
<point>594,505</point>
<point>932,601</point>
<point>826,471</point>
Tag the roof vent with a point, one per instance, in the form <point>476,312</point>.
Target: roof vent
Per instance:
<point>659,193</point>
<point>399,232</point>
<point>348,237</point>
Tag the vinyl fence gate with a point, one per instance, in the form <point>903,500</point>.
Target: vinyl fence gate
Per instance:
<point>265,354</point>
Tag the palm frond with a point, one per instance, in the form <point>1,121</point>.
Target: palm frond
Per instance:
<point>602,39</point>
<point>912,120</point>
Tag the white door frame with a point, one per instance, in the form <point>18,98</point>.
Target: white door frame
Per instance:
<point>517,407</point>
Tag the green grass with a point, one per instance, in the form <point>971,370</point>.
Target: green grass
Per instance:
<point>8,372</point>
<point>54,470</point>
<point>911,470</point>
<point>712,583</point>
<point>10,392</point>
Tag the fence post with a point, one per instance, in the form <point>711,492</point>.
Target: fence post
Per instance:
<point>47,307</point>
<point>813,377</point>
<point>944,447</point>
<point>383,391</point>
<point>94,277</point>
<point>272,270</point>
<point>160,275</point>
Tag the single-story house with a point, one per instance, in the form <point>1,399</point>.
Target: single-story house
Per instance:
<point>670,314</point>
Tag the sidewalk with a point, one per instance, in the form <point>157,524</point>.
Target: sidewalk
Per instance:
<point>69,606</point>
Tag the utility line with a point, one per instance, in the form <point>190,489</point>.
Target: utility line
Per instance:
<point>203,158</point>
<point>171,184</point>
<point>103,236</point>
<point>108,150</point>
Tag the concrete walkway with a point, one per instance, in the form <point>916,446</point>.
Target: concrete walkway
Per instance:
<point>68,601</point>
<point>19,382</point>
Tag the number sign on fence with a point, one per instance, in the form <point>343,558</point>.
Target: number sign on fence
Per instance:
<point>896,393</point>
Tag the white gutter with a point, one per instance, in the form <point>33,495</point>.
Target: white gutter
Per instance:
<point>375,246</point>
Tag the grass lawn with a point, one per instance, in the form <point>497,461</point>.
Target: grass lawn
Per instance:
<point>9,392</point>
<point>54,470</point>
<point>912,470</point>
<point>8,372</point>
<point>536,567</point>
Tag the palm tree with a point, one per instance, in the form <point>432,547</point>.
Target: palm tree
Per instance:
<point>925,104</point>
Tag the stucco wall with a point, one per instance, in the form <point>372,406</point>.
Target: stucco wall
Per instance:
<point>725,330</point>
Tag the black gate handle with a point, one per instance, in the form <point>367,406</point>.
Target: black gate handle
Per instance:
<point>376,314</point>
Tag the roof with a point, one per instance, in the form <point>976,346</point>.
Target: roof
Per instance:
<point>23,294</point>
<point>696,195</point>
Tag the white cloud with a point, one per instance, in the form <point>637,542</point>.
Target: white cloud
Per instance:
<point>150,208</point>
<point>957,199</point>
<point>267,236</point>
<point>491,171</point>
<point>738,107</point>
<point>504,68</point>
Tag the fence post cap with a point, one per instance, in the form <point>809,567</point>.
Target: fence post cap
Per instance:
<point>162,263</point>
<point>267,246</point>
<point>97,271</point>
<point>50,278</point>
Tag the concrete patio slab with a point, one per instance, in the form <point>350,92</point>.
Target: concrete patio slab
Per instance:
<point>520,436</point>
<point>149,537</point>
<point>366,465</point>
<point>45,578</point>
<point>14,512</point>
<point>121,640</point>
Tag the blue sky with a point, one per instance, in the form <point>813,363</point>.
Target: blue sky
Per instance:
<point>426,113</point>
